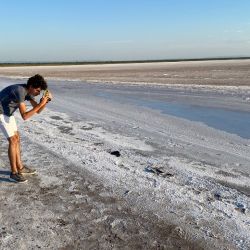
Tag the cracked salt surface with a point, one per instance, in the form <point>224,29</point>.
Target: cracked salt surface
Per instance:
<point>189,193</point>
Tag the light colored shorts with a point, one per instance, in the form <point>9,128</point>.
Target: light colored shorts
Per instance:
<point>8,125</point>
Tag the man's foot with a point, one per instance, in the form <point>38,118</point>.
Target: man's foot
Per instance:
<point>26,170</point>
<point>18,177</point>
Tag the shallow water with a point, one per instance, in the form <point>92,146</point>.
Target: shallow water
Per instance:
<point>234,122</point>
<point>231,121</point>
<point>165,100</point>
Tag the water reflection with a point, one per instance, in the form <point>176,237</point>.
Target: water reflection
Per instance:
<point>231,121</point>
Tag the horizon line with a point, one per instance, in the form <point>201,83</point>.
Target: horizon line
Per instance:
<point>71,62</point>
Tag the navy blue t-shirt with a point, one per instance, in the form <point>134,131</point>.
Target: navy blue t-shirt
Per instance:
<point>11,97</point>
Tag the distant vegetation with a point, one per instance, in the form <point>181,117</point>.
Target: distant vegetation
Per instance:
<point>8,64</point>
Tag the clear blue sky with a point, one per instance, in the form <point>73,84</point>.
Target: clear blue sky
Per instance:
<point>71,30</point>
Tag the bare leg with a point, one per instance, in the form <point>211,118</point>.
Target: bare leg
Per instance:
<point>19,163</point>
<point>12,152</point>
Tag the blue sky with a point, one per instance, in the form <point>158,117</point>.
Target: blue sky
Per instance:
<point>83,30</point>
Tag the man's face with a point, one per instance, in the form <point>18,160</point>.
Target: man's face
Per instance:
<point>34,91</point>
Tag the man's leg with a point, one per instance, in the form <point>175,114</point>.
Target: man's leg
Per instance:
<point>19,163</point>
<point>12,152</point>
<point>15,175</point>
<point>20,167</point>
<point>8,126</point>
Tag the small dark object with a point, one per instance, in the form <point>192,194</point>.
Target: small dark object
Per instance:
<point>241,209</point>
<point>62,222</point>
<point>239,205</point>
<point>116,153</point>
<point>149,170</point>
<point>217,196</point>
<point>168,175</point>
<point>158,171</point>
<point>154,170</point>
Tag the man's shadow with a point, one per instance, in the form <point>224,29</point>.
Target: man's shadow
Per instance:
<point>3,179</point>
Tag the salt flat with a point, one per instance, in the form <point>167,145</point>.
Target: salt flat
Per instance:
<point>229,72</point>
<point>178,184</point>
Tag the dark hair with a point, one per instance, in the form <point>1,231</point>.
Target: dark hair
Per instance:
<point>37,81</point>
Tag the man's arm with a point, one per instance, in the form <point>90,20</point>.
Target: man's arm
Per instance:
<point>27,114</point>
<point>34,104</point>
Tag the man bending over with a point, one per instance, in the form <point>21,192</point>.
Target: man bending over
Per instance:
<point>12,98</point>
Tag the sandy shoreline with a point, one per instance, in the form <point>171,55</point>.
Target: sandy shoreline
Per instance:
<point>226,73</point>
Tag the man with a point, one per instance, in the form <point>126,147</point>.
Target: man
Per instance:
<point>11,99</point>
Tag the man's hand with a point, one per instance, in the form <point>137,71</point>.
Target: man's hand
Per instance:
<point>44,100</point>
<point>48,94</point>
<point>37,108</point>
